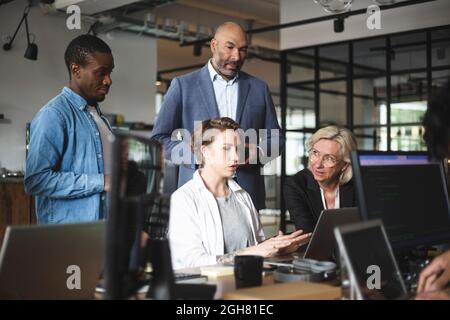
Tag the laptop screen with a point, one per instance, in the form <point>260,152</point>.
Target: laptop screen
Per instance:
<point>372,263</point>
<point>52,261</point>
<point>322,244</point>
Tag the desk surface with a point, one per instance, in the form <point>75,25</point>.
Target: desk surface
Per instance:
<point>270,290</point>
<point>299,290</point>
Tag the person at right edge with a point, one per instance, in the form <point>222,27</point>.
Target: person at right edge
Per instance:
<point>436,276</point>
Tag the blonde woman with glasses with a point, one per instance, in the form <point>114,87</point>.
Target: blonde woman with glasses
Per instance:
<point>327,182</point>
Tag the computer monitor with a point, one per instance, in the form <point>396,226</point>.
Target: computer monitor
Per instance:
<point>407,191</point>
<point>135,204</point>
<point>368,263</point>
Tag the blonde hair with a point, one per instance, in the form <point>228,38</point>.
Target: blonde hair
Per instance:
<point>199,138</point>
<point>346,140</point>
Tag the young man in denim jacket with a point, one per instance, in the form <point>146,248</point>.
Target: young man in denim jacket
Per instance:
<point>67,162</point>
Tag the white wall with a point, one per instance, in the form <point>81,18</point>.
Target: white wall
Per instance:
<point>418,16</point>
<point>25,85</point>
<point>133,91</point>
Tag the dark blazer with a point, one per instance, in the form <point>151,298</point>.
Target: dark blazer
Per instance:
<point>191,98</point>
<point>303,200</point>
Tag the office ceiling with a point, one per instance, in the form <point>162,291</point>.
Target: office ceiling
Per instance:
<point>180,20</point>
<point>176,21</point>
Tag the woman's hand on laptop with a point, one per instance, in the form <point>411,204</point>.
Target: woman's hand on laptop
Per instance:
<point>297,238</point>
<point>436,275</point>
<point>279,245</point>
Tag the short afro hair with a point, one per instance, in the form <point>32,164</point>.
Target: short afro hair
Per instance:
<point>82,47</point>
<point>436,122</point>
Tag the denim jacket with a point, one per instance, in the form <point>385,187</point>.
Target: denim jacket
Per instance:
<point>64,167</point>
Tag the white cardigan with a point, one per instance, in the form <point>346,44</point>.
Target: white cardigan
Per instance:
<point>195,225</point>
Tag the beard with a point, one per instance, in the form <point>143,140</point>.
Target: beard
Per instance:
<point>229,73</point>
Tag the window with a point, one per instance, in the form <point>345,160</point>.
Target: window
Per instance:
<point>378,87</point>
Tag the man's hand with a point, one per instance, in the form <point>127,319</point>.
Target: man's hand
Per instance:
<point>434,295</point>
<point>251,153</point>
<point>436,275</point>
<point>106,183</point>
<point>144,239</point>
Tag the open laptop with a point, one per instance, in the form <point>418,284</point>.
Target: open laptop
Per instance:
<point>368,262</point>
<point>51,261</point>
<point>322,244</point>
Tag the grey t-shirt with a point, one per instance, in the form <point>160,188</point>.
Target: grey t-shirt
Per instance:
<point>104,134</point>
<point>237,232</point>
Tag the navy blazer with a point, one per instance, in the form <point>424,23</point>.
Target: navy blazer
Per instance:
<point>191,98</point>
<point>304,202</point>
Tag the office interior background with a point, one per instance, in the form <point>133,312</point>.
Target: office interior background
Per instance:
<point>375,81</point>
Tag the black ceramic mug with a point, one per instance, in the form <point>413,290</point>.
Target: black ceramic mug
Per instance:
<point>248,271</point>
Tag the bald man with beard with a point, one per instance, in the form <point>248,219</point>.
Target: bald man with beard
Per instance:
<point>221,89</point>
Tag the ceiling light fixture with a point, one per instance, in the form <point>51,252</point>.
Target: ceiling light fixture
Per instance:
<point>338,25</point>
<point>335,6</point>
<point>32,49</point>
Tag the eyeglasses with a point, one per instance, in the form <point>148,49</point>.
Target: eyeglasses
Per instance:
<point>327,160</point>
